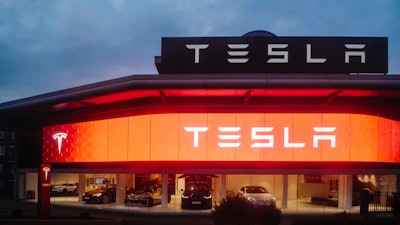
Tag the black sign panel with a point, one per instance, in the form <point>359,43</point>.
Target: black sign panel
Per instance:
<point>273,55</point>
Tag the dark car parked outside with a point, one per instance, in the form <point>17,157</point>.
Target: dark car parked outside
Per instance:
<point>196,196</point>
<point>104,194</point>
<point>145,197</point>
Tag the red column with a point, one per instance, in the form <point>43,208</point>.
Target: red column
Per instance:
<point>44,191</point>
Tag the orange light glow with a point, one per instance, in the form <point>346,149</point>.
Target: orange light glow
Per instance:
<point>312,137</point>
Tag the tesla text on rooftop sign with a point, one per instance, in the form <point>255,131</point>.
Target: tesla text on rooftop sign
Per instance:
<point>273,55</point>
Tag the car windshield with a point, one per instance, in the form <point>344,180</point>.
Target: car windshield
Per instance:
<point>256,190</point>
<point>100,188</point>
<point>105,187</point>
<point>197,187</point>
<point>141,190</point>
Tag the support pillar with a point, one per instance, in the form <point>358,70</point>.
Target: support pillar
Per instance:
<point>223,187</point>
<point>285,181</point>
<point>397,182</point>
<point>121,188</point>
<point>164,190</point>
<point>345,192</point>
<point>81,186</point>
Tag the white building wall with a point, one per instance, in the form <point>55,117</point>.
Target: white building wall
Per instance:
<point>32,183</point>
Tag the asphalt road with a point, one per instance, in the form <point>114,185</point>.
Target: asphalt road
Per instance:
<point>71,215</point>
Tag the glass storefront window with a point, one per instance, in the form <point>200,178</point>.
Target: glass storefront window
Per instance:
<point>293,193</point>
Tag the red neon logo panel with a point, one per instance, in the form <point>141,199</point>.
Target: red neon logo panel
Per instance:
<point>226,137</point>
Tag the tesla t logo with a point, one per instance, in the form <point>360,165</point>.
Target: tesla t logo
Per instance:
<point>46,171</point>
<point>59,138</point>
<point>261,137</point>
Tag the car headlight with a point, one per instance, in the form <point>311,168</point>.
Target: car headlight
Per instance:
<point>250,199</point>
<point>185,196</point>
<point>207,197</point>
<point>97,194</point>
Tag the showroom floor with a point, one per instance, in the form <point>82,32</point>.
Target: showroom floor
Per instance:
<point>294,207</point>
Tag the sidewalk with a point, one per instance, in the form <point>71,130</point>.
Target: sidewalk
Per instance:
<point>71,215</point>
<point>59,215</point>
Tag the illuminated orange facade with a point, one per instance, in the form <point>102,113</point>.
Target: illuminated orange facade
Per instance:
<point>308,134</point>
<point>289,137</point>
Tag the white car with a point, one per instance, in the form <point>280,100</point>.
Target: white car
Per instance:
<point>257,195</point>
<point>64,188</point>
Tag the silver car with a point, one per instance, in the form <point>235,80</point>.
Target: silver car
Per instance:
<point>64,188</point>
<point>257,195</point>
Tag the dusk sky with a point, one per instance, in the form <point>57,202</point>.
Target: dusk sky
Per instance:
<point>51,45</point>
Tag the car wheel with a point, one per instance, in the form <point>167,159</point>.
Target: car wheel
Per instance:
<point>208,205</point>
<point>183,206</point>
<point>105,199</point>
<point>64,191</point>
<point>150,202</point>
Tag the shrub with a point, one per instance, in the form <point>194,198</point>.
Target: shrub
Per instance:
<point>269,215</point>
<point>235,211</point>
<point>238,211</point>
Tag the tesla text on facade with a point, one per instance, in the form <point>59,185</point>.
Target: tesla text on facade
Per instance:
<point>229,137</point>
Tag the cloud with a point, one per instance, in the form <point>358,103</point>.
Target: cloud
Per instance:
<point>52,45</point>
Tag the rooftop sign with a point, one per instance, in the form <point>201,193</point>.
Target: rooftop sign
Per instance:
<point>271,54</point>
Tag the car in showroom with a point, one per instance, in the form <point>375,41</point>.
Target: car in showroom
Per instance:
<point>64,188</point>
<point>145,197</point>
<point>103,194</point>
<point>197,195</point>
<point>257,195</point>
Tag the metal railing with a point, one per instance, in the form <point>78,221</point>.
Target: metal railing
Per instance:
<point>382,202</point>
